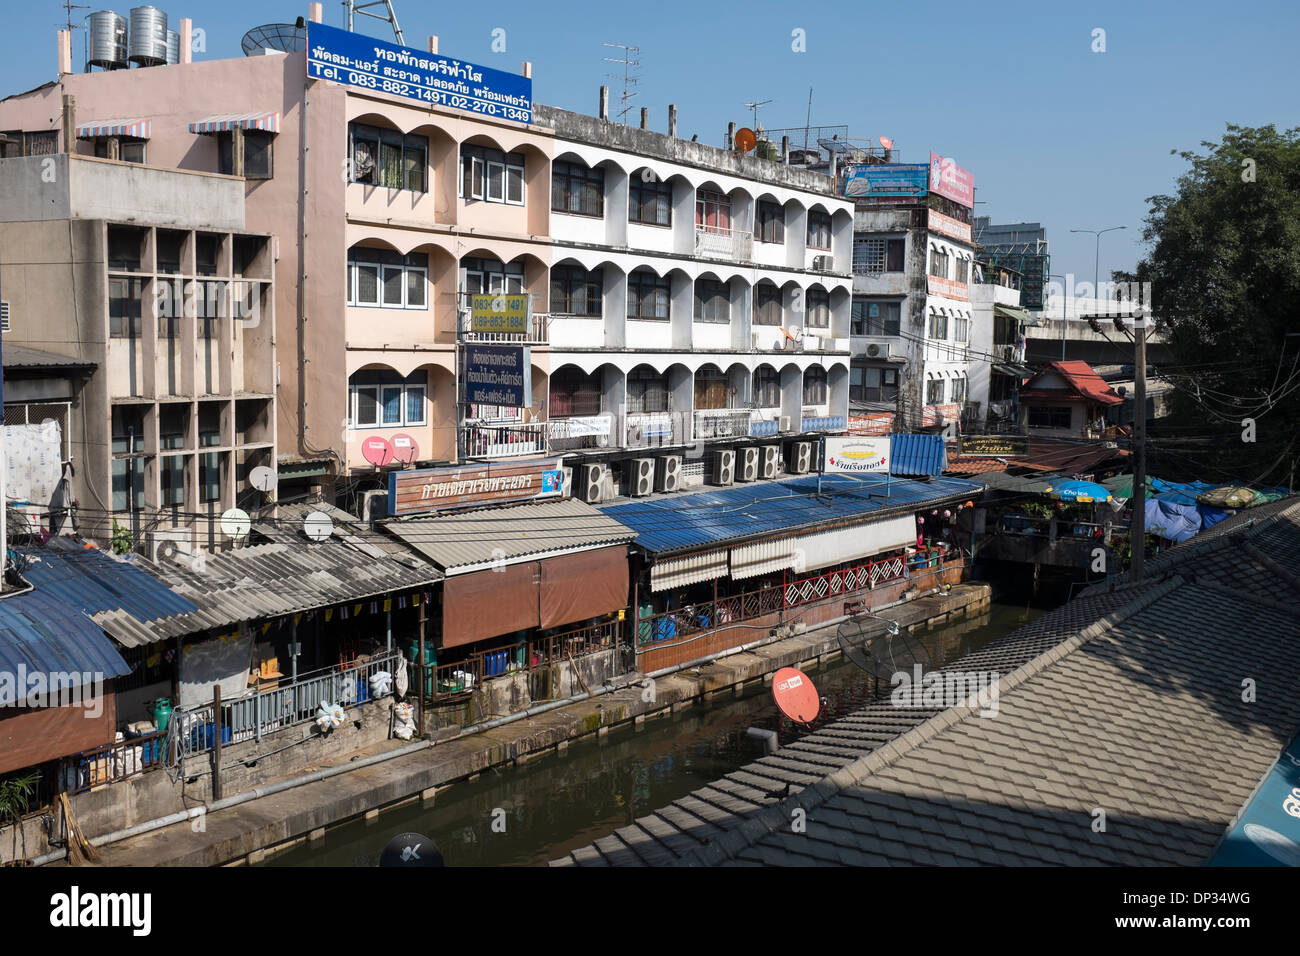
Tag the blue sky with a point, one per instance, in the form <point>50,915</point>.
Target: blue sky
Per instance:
<point>1052,131</point>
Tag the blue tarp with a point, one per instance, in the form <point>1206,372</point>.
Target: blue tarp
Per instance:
<point>1172,520</point>
<point>43,635</point>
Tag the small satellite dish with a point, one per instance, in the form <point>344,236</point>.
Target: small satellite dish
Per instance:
<point>235,523</point>
<point>262,478</point>
<point>795,694</point>
<point>881,648</point>
<point>377,450</point>
<point>886,142</point>
<point>280,37</point>
<point>318,526</point>
<point>745,139</point>
<point>405,448</point>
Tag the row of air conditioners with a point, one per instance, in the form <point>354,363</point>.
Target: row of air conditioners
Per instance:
<point>760,461</point>
<point>644,476</point>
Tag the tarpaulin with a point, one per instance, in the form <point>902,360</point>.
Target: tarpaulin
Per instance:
<point>485,604</point>
<point>1171,520</point>
<point>34,735</point>
<point>583,585</point>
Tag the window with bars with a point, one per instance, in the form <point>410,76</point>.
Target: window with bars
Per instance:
<point>818,302</point>
<point>649,202</point>
<point>381,278</point>
<point>934,391</point>
<point>814,386</point>
<point>963,270</point>
<point>712,211</point>
<point>873,384</point>
<point>873,256</point>
<point>382,398</point>
<point>767,304</point>
<point>491,175</point>
<point>712,301</point>
<point>939,263</point>
<point>711,389</point>
<point>961,329</point>
<point>257,153</point>
<point>1049,416</point>
<point>876,317</point>
<point>769,222</point>
<point>577,189</point>
<point>819,230</point>
<point>938,326</point>
<point>574,392</point>
<point>767,387</point>
<point>575,291</point>
<point>647,390</point>
<point>388,158</point>
<point>648,295</point>
<point>959,389</point>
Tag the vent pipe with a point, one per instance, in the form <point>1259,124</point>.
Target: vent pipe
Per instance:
<point>604,103</point>
<point>645,117</point>
<point>433,44</point>
<point>672,119</point>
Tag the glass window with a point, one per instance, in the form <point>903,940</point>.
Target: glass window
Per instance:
<point>819,230</point>
<point>934,391</point>
<point>647,295</point>
<point>767,387</point>
<point>392,402</point>
<point>1047,416</point>
<point>938,264</point>
<point>367,411</point>
<point>650,202</point>
<point>712,211</point>
<point>873,256</point>
<point>573,392</point>
<point>767,304</point>
<point>382,398</point>
<point>819,308</point>
<point>257,153</point>
<point>124,307</point>
<point>381,277</point>
<point>491,175</point>
<point>575,291</point>
<point>873,384</point>
<point>578,190</point>
<point>712,301</point>
<point>938,325</point>
<point>128,495</point>
<point>386,157</point>
<point>876,317</point>
<point>769,223</point>
<point>415,404</point>
<point>209,477</point>
<point>814,386</point>
<point>647,390</point>
<point>172,473</point>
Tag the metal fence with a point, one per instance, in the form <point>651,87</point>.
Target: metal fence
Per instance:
<point>113,762</point>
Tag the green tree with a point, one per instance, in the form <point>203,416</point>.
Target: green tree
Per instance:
<point>1224,264</point>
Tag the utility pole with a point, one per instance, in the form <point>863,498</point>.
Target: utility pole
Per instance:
<point>1137,525</point>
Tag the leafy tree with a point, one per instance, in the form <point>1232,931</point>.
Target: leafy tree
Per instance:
<point>1224,265</point>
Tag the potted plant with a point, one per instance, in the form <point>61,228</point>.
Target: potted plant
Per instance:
<point>15,800</point>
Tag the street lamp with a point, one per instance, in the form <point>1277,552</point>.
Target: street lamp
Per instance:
<point>1096,263</point>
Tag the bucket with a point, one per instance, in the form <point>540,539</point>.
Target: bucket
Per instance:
<point>162,713</point>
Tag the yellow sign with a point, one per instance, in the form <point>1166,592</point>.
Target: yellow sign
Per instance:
<point>500,312</point>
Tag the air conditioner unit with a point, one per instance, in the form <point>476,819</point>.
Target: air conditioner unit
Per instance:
<point>798,460</point>
<point>669,473</point>
<point>724,467</point>
<point>878,350</point>
<point>748,470</point>
<point>592,488</point>
<point>374,505</point>
<point>770,461</point>
<point>641,477</point>
<point>783,423</point>
<point>822,263</point>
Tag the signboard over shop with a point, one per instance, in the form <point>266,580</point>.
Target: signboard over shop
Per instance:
<point>885,181</point>
<point>949,179</point>
<point>994,446</point>
<point>424,490</point>
<point>364,62</point>
<point>947,226</point>
<point>856,456</point>
<point>498,375</point>
<point>501,313</point>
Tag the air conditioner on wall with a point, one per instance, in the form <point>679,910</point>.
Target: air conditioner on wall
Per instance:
<point>798,459</point>
<point>669,473</point>
<point>878,350</point>
<point>822,264</point>
<point>770,461</point>
<point>641,477</point>
<point>592,488</point>
<point>724,467</point>
<point>749,466</point>
<point>783,423</point>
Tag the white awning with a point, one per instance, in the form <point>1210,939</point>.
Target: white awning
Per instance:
<point>762,557</point>
<point>677,572</point>
<point>826,548</point>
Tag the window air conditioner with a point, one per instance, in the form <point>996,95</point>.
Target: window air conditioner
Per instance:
<point>783,423</point>
<point>822,263</point>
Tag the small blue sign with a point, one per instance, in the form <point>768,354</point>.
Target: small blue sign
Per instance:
<point>498,375</point>
<point>886,180</point>
<point>1268,830</point>
<point>362,61</point>
<point>552,482</point>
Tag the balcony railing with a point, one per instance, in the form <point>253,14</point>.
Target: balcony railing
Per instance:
<point>656,429</point>
<point>722,423</point>
<point>508,440</point>
<point>718,243</point>
<point>580,431</point>
<point>825,423</point>
<point>536,325</point>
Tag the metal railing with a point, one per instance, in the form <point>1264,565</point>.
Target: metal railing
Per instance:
<point>833,583</point>
<point>720,243</point>
<point>509,440</point>
<point>580,431</point>
<point>722,423</point>
<point>708,615</point>
<point>113,762</point>
<point>656,429</point>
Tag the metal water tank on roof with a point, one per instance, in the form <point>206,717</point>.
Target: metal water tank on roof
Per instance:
<point>173,47</point>
<point>106,36</point>
<point>148,39</point>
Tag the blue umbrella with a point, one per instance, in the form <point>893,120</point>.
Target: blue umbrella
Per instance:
<point>1086,491</point>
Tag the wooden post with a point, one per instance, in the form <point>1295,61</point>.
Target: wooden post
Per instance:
<point>216,741</point>
<point>237,151</point>
<point>419,667</point>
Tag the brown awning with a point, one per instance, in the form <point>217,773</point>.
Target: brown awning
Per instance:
<point>34,735</point>
<point>583,585</point>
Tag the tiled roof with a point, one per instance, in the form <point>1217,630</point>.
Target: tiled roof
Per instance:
<point>21,357</point>
<point>962,465</point>
<point>1081,379</point>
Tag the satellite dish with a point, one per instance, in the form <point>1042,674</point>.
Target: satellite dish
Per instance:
<point>377,450</point>
<point>745,139</point>
<point>881,648</point>
<point>262,478</point>
<point>795,694</point>
<point>281,37</point>
<point>235,523</point>
<point>318,526</point>
<point>886,142</point>
<point>405,448</point>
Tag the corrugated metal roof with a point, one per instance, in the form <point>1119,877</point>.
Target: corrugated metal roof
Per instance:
<point>460,542</point>
<point>917,454</point>
<point>94,581</point>
<point>40,633</point>
<point>686,522</point>
<point>20,357</point>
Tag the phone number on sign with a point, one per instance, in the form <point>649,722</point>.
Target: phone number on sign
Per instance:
<point>439,97</point>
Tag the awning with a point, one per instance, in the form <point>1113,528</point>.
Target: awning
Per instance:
<point>1013,369</point>
<point>762,557</point>
<point>1020,315</point>
<point>137,128</point>
<point>688,569</point>
<point>854,542</point>
<point>224,122</point>
<point>917,454</point>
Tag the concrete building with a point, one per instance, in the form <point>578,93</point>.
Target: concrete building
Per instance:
<point>1022,247</point>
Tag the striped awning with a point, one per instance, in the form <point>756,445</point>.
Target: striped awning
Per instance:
<point>689,569</point>
<point>854,543</point>
<point>138,128</point>
<point>762,557</point>
<point>270,122</point>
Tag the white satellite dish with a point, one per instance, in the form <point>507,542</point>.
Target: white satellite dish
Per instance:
<point>235,523</point>
<point>318,526</point>
<point>262,478</point>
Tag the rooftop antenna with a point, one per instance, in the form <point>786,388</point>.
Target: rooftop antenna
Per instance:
<point>754,107</point>
<point>807,121</point>
<point>70,6</point>
<point>389,16</point>
<point>629,61</point>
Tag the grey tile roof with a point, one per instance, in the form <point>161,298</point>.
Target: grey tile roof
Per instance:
<point>22,357</point>
<point>1127,699</point>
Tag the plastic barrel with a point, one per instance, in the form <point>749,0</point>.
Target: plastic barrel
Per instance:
<point>162,713</point>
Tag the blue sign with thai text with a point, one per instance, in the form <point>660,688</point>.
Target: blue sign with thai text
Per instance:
<point>362,61</point>
<point>1267,832</point>
<point>498,375</point>
<point>887,180</point>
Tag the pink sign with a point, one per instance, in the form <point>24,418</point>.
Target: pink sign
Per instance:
<point>377,450</point>
<point>405,448</point>
<point>949,179</point>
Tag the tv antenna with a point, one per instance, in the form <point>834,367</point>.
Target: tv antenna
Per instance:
<point>754,107</point>
<point>70,6</point>
<point>630,63</point>
<point>389,15</point>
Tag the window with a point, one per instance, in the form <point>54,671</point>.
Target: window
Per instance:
<point>387,279</point>
<point>170,247</point>
<point>876,318</point>
<point>647,390</point>
<point>711,389</point>
<point>814,386</point>
<point>712,301</point>
<point>491,175</point>
<point>767,387</point>
<point>574,392</point>
<point>712,211</point>
<point>129,149</point>
<point>769,222</point>
<point>209,477</point>
<point>819,230</point>
<point>818,301</point>
<point>128,483</point>
<point>647,295</point>
<point>577,189</point>
<point>938,325</point>
<point>873,384</point>
<point>875,256</point>
<point>959,389</point>
<point>43,143</point>
<point>124,302</point>
<point>382,398</point>
<point>963,270</point>
<point>649,202</point>
<point>124,249</point>
<point>207,249</point>
<point>767,304</point>
<point>575,291</point>
<point>934,391</point>
<point>385,157</point>
<point>481,276</point>
<point>938,263</point>
<point>961,329</point>
<point>1049,416</point>
<point>257,153</point>
<point>172,472</point>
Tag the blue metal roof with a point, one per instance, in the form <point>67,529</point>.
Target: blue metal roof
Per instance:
<point>917,454</point>
<point>92,581</point>
<point>707,518</point>
<point>40,634</point>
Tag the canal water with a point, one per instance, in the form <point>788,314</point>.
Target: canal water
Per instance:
<point>562,801</point>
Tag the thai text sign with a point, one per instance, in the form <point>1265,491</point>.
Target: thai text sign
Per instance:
<point>947,226</point>
<point>949,179</point>
<point>937,285</point>
<point>362,61</point>
<point>500,313</point>
<point>432,489</point>
<point>498,375</point>
<point>873,182</point>
<point>857,455</point>
<point>994,446</point>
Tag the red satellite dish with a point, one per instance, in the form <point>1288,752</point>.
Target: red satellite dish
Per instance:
<point>795,695</point>
<point>377,450</point>
<point>745,139</point>
<point>886,142</point>
<point>405,448</point>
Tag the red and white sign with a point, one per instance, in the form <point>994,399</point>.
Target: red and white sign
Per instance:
<point>947,287</point>
<point>949,179</point>
<point>947,226</point>
<point>857,455</point>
